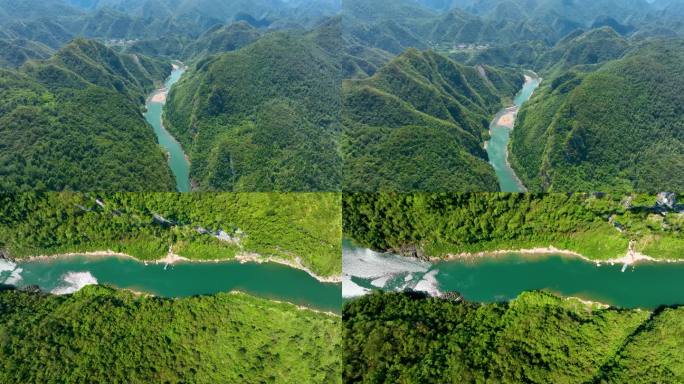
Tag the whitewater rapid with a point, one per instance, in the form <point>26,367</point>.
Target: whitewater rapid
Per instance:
<point>361,266</point>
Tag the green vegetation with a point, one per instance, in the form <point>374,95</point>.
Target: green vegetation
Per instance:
<point>304,228</point>
<point>101,335</point>
<point>536,338</point>
<point>495,30</point>
<point>222,39</point>
<point>583,49</point>
<point>616,128</point>
<point>62,123</point>
<point>264,117</point>
<point>420,122</point>
<point>588,48</point>
<point>652,354</point>
<point>439,224</point>
<point>15,52</point>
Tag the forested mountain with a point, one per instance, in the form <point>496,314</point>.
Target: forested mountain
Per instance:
<point>578,48</point>
<point>222,39</point>
<point>437,225</point>
<point>420,122</point>
<point>251,61</point>
<point>55,23</point>
<point>131,75</point>
<point>15,52</point>
<point>73,122</point>
<point>13,10</point>
<point>495,24</point>
<point>615,128</point>
<point>583,48</point>
<point>301,228</point>
<point>265,117</point>
<point>563,41</point>
<point>536,338</point>
<point>102,335</point>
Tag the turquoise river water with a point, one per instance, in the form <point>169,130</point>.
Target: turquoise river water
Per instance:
<point>63,275</point>
<point>497,146</point>
<point>500,278</point>
<point>180,167</point>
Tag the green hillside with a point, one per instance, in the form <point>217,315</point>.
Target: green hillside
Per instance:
<point>134,76</point>
<point>419,123</point>
<point>614,128</point>
<point>265,117</point>
<point>56,22</point>
<point>73,122</point>
<point>304,228</point>
<point>583,48</point>
<point>440,224</point>
<point>222,39</point>
<point>102,335</point>
<point>15,52</point>
<point>536,338</point>
<point>11,10</point>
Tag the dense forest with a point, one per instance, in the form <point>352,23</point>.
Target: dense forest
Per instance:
<point>323,95</point>
<point>615,128</point>
<point>605,75</point>
<point>61,122</point>
<point>264,117</point>
<point>501,27</point>
<point>536,338</point>
<point>598,226</point>
<point>419,124</point>
<point>302,228</point>
<point>99,335</point>
<point>149,23</point>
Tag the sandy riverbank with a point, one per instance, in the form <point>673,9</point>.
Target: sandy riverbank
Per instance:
<point>256,258</point>
<point>172,258</point>
<point>508,119</point>
<point>159,96</point>
<point>588,303</point>
<point>630,258</point>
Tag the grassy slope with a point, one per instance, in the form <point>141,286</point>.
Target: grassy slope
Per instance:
<point>443,224</point>
<point>287,226</point>
<point>419,123</point>
<point>102,335</point>
<point>536,338</point>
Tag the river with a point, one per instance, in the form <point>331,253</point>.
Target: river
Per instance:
<point>500,135</point>
<point>178,162</point>
<point>500,278</point>
<point>63,275</point>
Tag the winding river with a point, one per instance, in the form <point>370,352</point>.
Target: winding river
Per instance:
<point>500,278</point>
<point>178,162</point>
<point>63,275</point>
<point>500,135</point>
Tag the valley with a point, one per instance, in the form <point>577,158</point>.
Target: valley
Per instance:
<point>178,161</point>
<point>500,132</point>
<point>341,191</point>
